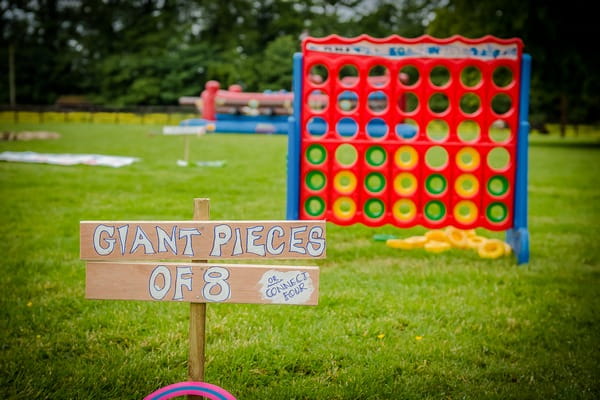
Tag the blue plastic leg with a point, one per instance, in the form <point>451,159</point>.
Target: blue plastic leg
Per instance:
<point>518,239</point>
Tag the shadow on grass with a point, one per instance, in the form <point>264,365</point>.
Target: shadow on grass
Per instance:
<point>587,143</point>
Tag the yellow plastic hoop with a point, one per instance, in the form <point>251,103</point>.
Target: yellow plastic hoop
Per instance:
<point>474,159</point>
<point>402,153</point>
<point>473,242</point>
<point>344,208</point>
<point>404,210</point>
<point>466,179</point>
<point>437,247</point>
<point>345,182</point>
<point>400,188</point>
<point>465,218</point>
<point>436,235</point>
<point>491,248</point>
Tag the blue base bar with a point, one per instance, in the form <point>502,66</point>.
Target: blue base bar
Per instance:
<point>243,125</point>
<point>518,239</point>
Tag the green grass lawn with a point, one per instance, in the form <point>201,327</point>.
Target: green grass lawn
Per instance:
<point>390,324</point>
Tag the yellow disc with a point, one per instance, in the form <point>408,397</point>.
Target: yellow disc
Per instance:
<point>436,235</point>
<point>404,210</point>
<point>412,242</point>
<point>466,185</point>
<point>405,184</point>
<point>436,247</point>
<point>456,237</point>
<point>345,182</point>
<point>399,244</point>
<point>465,211</point>
<point>468,159</point>
<point>491,248</point>
<point>417,241</point>
<point>344,208</point>
<point>473,242</point>
<point>406,157</point>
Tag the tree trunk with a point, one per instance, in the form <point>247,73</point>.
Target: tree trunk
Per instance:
<point>563,114</point>
<point>11,74</point>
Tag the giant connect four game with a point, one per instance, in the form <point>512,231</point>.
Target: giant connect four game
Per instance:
<point>410,132</point>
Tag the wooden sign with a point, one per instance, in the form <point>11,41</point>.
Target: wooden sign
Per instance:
<point>203,283</point>
<point>199,283</point>
<point>189,240</point>
<point>184,130</point>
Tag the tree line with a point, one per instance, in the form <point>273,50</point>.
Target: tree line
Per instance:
<point>151,52</point>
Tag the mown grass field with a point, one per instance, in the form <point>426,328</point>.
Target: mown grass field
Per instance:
<point>390,324</point>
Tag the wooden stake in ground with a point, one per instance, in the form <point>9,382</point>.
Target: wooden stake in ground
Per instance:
<point>198,312</point>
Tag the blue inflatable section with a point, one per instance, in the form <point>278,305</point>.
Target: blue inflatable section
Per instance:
<point>225,123</point>
<point>278,125</point>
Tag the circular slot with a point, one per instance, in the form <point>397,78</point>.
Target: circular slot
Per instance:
<point>318,74</point>
<point>345,182</point>
<point>314,206</point>
<point>435,210</point>
<point>468,159</point>
<point>470,76</point>
<point>466,185</point>
<point>404,210</point>
<point>465,212</point>
<point>406,157</point>
<point>436,157</point>
<point>346,155</point>
<point>436,184</point>
<point>316,154</point>
<point>405,184</point>
<point>409,75</point>
<point>344,208</point>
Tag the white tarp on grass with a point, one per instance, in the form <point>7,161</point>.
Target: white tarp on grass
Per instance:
<point>67,159</point>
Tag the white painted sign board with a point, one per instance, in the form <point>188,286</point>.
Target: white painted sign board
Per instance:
<point>203,283</point>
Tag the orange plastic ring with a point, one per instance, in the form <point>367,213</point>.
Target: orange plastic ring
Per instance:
<point>404,210</point>
<point>491,248</point>
<point>465,212</point>
<point>344,208</point>
<point>405,184</point>
<point>406,157</point>
<point>468,159</point>
<point>345,182</point>
<point>466,185</point>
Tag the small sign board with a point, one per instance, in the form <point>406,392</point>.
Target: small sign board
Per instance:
<point>184,130</point>
<point>159,240</point>
<point>203,283</point>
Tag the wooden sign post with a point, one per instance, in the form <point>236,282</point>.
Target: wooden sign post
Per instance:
<point>113,251</point>
<point>187,131</point>
<point>197,357</point>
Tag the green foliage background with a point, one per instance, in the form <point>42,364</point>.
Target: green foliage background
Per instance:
<point>151,52</point>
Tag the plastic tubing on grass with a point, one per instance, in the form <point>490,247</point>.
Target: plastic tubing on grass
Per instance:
<point>206,390</point>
